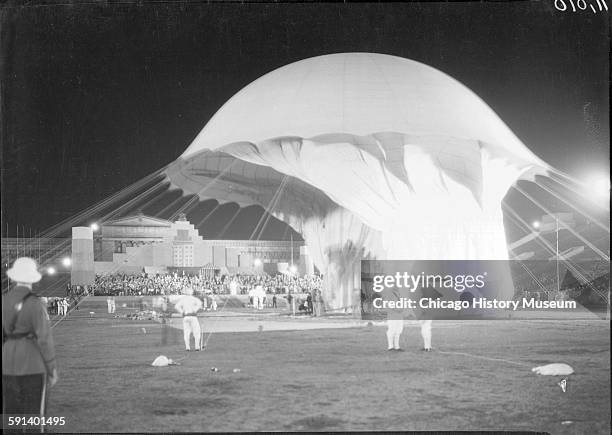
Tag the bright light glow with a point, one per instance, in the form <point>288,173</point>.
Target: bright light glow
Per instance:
<point>536,224</point>
<point>257,262</point>
<point>66,261</point>
<point>601,187</point>
<point>94,227</point>
<point>293,269</point>
<point>51,270</point>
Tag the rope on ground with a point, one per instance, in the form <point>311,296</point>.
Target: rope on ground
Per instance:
<point>213,322</point>
<point>484,357</point>
<point>263,219</point>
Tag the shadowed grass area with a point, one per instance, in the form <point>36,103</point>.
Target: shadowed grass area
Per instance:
<point>333,379</point>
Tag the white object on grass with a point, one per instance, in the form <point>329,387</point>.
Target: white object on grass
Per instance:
<point>163,361</point>
<point>556,369</point>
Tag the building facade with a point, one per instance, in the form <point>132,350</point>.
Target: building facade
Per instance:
<point>142,243</point>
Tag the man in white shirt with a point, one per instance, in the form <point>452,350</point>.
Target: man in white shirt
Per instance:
<point>213,302</point>
<point>188,305</point>
<point>233,287</point>
<point>259,296</point>
<point>64,307</point>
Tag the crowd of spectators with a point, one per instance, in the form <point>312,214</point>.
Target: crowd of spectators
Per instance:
<point>169,284</point>
<point>59,306</point>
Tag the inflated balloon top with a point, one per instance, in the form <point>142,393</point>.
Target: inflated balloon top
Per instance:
<point>366,156</point>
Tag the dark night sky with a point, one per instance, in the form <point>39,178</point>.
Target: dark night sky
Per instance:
<point>95,97</point>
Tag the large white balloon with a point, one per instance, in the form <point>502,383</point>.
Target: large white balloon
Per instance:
<point>366,156</point>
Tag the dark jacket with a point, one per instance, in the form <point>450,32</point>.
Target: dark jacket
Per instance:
<point>26,356</point>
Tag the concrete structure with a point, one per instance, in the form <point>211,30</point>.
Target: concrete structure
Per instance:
<point>117,235</point>
<point>82,256</point>
<point>140,243</point>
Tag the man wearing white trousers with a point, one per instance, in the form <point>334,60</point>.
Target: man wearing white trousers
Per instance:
<point>394,331</point>
<point>260,294</point>
<point>426,334</point>
<point>188,305</point>
<point>395,322</point>
<point>63,307</point>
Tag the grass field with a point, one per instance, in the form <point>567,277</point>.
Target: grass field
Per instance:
<point>333,379</point>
